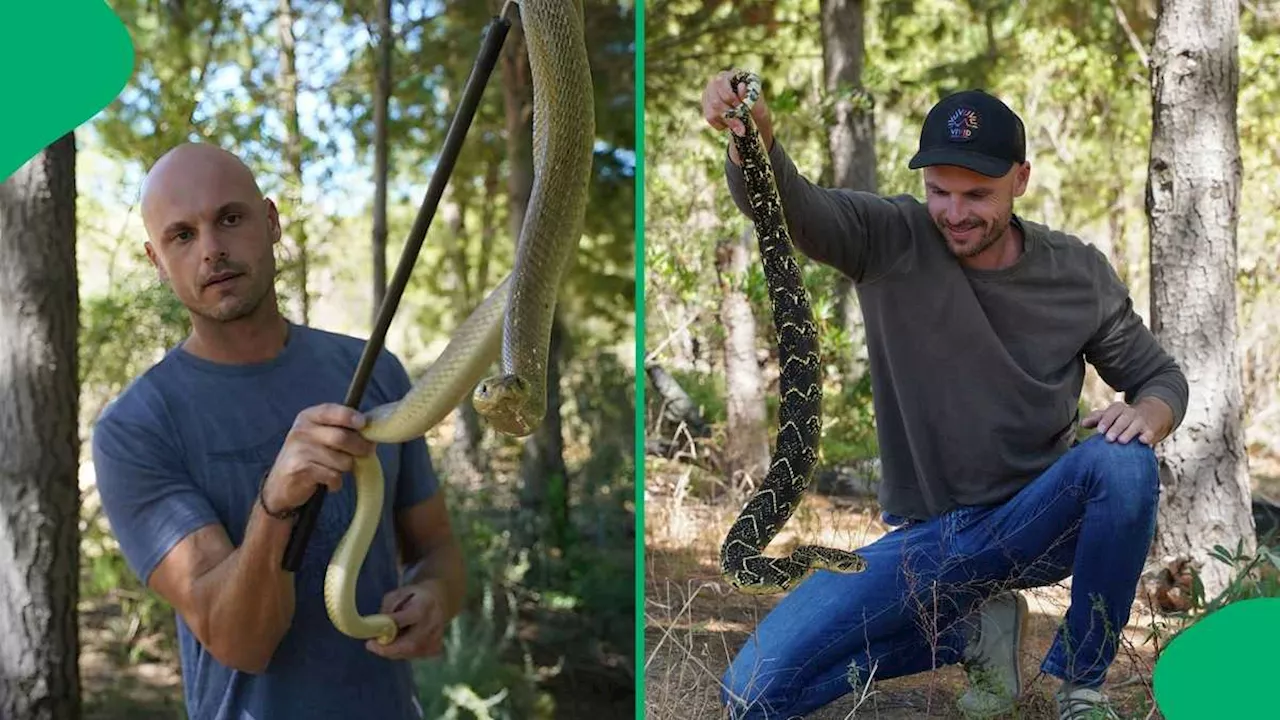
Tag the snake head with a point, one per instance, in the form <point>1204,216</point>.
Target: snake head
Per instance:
<point>752,81</point>
<point>507,403</point>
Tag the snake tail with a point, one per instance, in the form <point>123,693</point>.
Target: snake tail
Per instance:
<point>742,558</point>
<point>344,566</point>
<point>514,401</point>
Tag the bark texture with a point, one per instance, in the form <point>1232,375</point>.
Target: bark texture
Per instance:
<point>463,457</point>
<point>1192,198</point>
<point>517,93</point>
<point>851,135</point>
<point>747,434</point>
<point>39,440</point>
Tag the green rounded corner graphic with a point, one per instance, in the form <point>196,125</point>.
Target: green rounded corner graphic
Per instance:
<point>63,62</point>
<point>1223,665</point>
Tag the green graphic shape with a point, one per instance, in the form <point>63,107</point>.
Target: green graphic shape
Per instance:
<point>61,62</point>
<point>1222,666</point>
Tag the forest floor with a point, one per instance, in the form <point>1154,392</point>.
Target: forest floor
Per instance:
<point>695,623</point>
<point>122,679</point>
<point>592,683</point>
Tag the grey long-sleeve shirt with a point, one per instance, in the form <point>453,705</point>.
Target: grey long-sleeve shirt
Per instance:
<point>976,374</point>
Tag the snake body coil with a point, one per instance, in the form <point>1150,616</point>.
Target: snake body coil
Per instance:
<point>742,559</point>
<point>514,319</point>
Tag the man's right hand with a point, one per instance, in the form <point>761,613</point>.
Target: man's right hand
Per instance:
<point>718,98</point>
<point>322,445</point>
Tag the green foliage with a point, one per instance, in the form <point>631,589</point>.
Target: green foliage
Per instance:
<point>1253,575</point>
<point>577,596</point>
<point>107,581</point>
<point>477,677</point>
<point>850,431</point>
<point>124,329</point>
<point>707,392</point>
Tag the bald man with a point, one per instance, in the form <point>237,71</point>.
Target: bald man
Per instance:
<point>204,460</point>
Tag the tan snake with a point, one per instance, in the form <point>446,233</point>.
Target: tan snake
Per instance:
<point>514,320</point>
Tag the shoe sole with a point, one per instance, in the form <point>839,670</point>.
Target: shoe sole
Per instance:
<point>1020,634</point>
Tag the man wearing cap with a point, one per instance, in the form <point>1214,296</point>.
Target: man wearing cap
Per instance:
<point>978,326</point>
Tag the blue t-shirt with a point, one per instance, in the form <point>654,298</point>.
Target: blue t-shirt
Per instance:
<point>187,444</point>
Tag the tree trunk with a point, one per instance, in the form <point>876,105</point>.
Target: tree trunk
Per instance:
<point>487,231</point>
<point>381,103</point>
<point>1118,251</point>
<point>747,434</point>
<point>544,478</point>
<point>294,219</point>
<point>517,93</point>
<point>1193,190</point>
<point>851,138</point>
<point>39,439</point>
<point>469,432</point>
<point>463,456</point>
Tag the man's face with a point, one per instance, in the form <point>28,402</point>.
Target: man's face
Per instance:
<point>971,210</point>
<point>211,234</point>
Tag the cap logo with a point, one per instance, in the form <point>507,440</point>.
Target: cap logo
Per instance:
<point>962,124</point>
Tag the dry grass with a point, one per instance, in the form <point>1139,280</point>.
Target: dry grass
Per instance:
<point>695,623</point>
<point>113,687</point>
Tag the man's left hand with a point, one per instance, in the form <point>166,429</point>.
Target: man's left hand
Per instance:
<point>418,610</point>
<point>1149,419</point>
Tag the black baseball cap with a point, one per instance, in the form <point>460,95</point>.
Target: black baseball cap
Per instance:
<point>972,129</point>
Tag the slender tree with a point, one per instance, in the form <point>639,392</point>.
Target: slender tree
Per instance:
<point>381,105</point>
<point>294,218</point>
<point>746,431</point>
<point>851,134</point>
<point>1193,192</point>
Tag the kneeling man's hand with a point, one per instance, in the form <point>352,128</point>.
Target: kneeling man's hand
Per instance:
<point>1150,420</point>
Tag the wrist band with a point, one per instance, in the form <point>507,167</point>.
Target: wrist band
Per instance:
<point>281,515</point>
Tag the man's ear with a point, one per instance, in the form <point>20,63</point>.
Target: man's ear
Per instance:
<point>155,262</point>
<point>1020,177</point>
<point>273,220</point>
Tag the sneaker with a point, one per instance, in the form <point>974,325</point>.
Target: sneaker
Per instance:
<point>991,661</point>
<point>1082,703</point>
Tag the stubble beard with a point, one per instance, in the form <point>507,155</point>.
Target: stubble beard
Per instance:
<point>994,233</point>
<point>241,307</point>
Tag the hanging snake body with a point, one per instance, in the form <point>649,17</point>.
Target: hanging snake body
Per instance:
<point>742,558</point>
<point>563,134</point>
<point>514,320</point>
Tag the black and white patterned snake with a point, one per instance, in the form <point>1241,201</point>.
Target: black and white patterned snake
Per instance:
<point>742,559</point>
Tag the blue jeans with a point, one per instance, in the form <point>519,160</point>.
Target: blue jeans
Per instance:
<point>1091,516</point>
